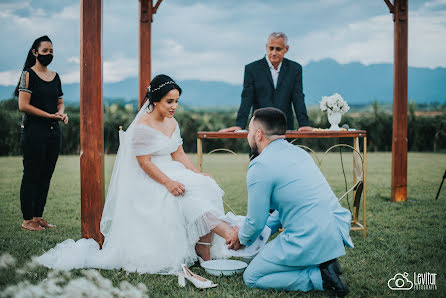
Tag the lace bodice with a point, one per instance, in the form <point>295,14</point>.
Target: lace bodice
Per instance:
<point>147,140</point>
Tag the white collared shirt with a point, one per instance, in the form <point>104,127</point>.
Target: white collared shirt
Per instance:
<point>274,72</point>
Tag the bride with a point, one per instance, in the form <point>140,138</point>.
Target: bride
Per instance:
<point>160,211</point>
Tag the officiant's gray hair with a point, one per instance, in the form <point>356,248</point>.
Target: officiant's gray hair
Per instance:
<point>272,121</point>
<point>276,35</point>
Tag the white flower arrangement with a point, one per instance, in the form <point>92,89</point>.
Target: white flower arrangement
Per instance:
<point>334,103</point>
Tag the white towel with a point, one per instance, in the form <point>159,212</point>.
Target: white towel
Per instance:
<point>248,251</point>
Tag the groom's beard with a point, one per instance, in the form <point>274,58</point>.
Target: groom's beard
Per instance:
<point>254,151</point>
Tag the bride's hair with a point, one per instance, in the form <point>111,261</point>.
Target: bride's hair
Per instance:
<point>159,87</point>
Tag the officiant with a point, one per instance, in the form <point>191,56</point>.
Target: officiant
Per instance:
<point>284,177</point>
<point>273,81</point>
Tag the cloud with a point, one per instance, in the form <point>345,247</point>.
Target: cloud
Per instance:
<point>205,65</point>
<point>435,3</point>
<point>70,12</point>
<point>427,39</point>
<point>114,70</point>
<point>70,77</point>
<point>74,59</point>
<point>9,77</point>
<point>371,41</point>
<point>368,41</point>
<point>120,68</point>
<point>213,40</point>
<point>22,23</point>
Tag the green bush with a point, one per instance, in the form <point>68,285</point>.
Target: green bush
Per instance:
<point>424,133</point>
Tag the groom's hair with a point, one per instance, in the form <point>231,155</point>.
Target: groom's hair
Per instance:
<point>271,120</point>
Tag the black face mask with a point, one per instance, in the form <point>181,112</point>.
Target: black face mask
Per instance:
<point>45,59</point>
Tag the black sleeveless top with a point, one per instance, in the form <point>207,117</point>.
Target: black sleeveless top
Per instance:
<point>44,94</point>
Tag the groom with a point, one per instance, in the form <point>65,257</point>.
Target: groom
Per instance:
<point>285,178</point>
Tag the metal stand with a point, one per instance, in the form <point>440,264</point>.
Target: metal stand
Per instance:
<point>441,184</point>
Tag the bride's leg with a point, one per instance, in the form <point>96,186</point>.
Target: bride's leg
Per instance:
<point>202,250</point>
<point>222,229</point>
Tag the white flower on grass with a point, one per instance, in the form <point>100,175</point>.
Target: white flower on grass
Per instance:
<point>28,267</point>
<point>96,277</point>
<point>6,260</point>
<point>334,103</point>
<point>62,284</point>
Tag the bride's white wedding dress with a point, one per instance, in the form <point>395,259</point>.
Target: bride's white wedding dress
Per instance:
<point>147,229</point>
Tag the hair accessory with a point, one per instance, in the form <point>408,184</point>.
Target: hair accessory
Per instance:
<point>161,86</point>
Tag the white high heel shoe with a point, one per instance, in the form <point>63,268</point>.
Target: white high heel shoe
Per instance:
<point>198,281</point>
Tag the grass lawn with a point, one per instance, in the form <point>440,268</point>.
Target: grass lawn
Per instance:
<point>401,237</point>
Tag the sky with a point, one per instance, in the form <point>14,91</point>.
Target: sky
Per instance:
<point>212,40</point>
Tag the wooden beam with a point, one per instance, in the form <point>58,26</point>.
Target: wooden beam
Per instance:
<point>399,142</point>
<point>389,5</point>
<point>292,134</point>
<point>156,6</point>
<point>145,23</point>
<point>91,119</point>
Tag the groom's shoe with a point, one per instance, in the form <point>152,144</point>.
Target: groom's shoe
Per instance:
<point>332,278</point>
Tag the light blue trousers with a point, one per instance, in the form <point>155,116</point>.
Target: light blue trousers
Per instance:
<point>266,275</point>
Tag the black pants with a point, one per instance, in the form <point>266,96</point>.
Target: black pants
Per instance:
<point>40,144</point>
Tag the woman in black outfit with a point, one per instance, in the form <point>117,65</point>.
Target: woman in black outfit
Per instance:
<point>40,98</point>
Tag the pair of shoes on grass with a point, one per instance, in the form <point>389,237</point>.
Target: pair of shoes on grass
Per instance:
<point>36,224</point>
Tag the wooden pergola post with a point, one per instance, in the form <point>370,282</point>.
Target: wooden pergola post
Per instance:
<point>399,142</point>
<point>146,12</point>
<point>91,107</point>
<point>92,123</point>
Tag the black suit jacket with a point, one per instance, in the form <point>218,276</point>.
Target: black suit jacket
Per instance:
<point>258,92</point>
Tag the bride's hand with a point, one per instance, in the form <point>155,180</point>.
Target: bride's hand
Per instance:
<point>175,188</point>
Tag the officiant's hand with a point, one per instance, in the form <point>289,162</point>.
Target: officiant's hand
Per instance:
<point>230,129</point>
<point>175,188</point>
<point>305,128</point>
<point>233,241</point>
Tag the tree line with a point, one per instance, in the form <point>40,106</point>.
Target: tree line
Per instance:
<point>425,133</point>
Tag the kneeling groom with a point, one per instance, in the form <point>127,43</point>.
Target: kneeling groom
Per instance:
<point>285,178</point>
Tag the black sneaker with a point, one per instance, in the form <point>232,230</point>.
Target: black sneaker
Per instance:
<point>332,278</point>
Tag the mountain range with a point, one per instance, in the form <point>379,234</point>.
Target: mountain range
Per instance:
<point>358,84</point>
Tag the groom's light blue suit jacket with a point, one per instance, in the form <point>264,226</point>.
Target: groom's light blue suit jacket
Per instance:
<point>284,177</point>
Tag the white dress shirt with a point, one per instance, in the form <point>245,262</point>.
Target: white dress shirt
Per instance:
<point>274,72</point>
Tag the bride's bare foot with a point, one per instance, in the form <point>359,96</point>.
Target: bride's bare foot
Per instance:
<point>203,250</point>
<point>224,230</point>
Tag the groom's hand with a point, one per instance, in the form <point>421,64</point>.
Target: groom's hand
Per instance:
<point>233,241</point>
